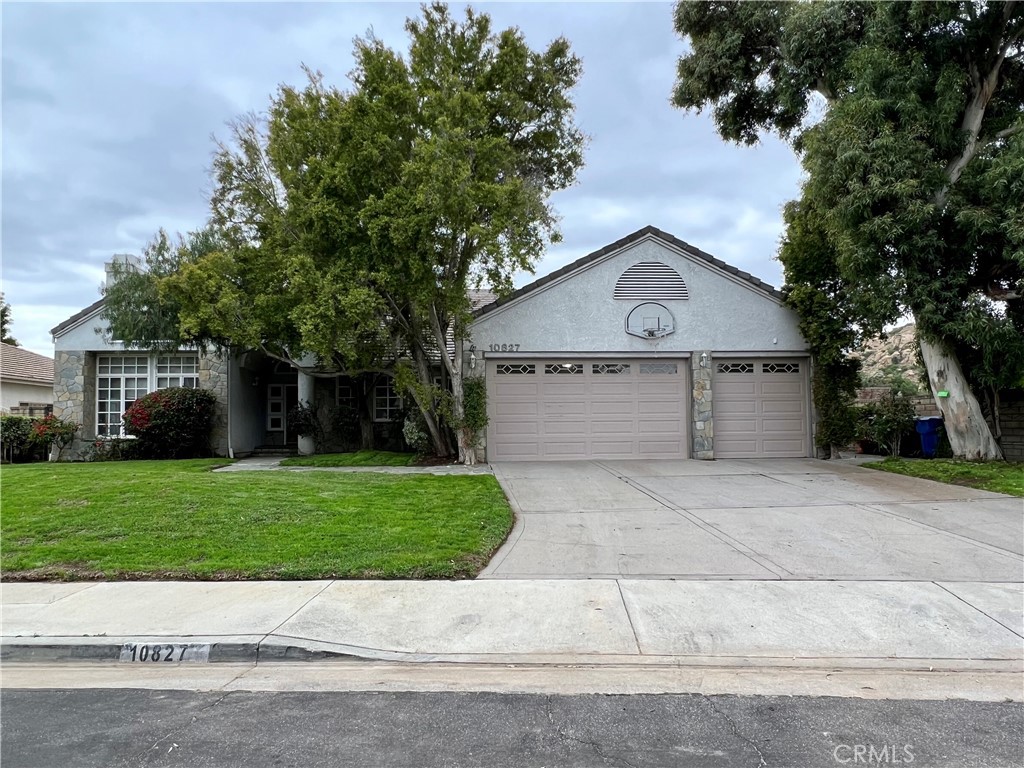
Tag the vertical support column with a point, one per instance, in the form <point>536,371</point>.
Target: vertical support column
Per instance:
<point>703,431</point>
<point>306,445</point>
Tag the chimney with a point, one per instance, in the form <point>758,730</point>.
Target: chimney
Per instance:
<point>123,259</point>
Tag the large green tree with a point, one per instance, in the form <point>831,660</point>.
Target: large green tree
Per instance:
<point>354,221</point>
<point>908,119</point>
<point>5,323</point>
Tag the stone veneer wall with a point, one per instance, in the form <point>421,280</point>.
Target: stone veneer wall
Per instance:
<point>702,422</point>
<point>74,397</point>
<point>74,385</point>
<point>213,375</point>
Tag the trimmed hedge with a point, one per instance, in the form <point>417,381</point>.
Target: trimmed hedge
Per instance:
<point>172,423</point>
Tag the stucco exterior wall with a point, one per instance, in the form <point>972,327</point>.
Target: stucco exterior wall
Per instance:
<point>12,393</point>
<point>578,314</point>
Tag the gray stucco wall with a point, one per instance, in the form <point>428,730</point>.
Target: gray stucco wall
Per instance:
<point>578,314</point>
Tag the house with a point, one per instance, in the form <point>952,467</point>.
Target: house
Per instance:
<point>647,348</point>
<point>26,381</point>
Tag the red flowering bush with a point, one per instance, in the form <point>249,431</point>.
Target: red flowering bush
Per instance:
<point>50,430</point>
<point>172,423</point>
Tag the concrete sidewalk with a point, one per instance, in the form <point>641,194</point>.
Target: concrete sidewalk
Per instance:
<point>835,625</point>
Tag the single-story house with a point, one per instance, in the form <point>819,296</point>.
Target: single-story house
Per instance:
<point>26,381</point>
<point>646,348</point>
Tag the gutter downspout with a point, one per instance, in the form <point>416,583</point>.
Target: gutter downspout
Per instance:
<point>227,401</point>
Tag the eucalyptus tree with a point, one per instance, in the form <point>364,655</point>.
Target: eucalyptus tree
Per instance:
<point>909,119</point>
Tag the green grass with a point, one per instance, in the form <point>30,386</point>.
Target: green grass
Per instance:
<point>177,520</point>
<point>357,459</point>
<point>997,476</point>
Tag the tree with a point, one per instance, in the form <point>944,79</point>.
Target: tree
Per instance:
<point>5,323</point>
<point>353,222</point>
<point>908,118</point>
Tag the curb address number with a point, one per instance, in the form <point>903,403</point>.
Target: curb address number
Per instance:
<point>168,653</point>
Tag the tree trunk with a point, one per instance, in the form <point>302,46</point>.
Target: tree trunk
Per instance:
<point>968,432</point>
<point>436,430</point>
<point>467,447</point>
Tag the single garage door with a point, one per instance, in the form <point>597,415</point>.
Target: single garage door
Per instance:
<point>586,409</point>
<point>760,409</point>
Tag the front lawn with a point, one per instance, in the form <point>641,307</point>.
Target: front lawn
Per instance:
<point>997,476</point>
<point>356,459</point>
<point>177,520</point>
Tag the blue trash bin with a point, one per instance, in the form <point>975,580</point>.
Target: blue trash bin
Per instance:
<point>928,429</point>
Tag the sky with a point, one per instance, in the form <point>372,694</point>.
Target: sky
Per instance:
<point>109,114</point>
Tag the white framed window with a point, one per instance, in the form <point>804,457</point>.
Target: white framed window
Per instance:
<point>123,379</point>
<point>177,371</point>
<point>386,401</point>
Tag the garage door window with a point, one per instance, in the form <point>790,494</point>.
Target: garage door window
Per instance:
<point>563,369</point>
<point>658,368</point>
<point>611,368</point>
<point>735,368</point>
<point>780,367</point>
<point>506,369</point>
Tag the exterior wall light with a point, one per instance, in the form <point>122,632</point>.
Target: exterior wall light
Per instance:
<point>703,359</point>
<point>472,356</point>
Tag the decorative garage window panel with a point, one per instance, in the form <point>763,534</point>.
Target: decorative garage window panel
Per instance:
<point>563,369</point>
<point>506,369</point>
<point>611,368</point>
<point>780,368</point>
<point>658,368</point>
<point>650,280</point>
<point>735,368</point>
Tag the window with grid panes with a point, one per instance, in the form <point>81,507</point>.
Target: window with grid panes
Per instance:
<point>120,381</point>
<point>177,371</point>
<point>386,401</point>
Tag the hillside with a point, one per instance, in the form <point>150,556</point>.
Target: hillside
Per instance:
<point>886,359</point>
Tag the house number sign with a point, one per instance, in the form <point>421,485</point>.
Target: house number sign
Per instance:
<point>165,653</point>
<point>503,347</point>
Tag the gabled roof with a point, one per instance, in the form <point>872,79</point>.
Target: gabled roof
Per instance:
<point>18,363</point>
<point>77,317</point>
<point>618,245</point>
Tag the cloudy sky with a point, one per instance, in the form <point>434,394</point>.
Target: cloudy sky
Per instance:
<point>109,109</point>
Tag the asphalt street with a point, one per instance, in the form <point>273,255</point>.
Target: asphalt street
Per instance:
<point>79,728</point>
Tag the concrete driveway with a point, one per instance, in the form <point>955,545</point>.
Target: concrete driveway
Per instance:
<point>789,519</point>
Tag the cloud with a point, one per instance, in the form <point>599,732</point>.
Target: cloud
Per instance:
<point>108,112</point>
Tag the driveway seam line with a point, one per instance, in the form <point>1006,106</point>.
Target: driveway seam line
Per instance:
<point>742,549</point>
<point>629,618</point>
<point>996,548</point>
<point>972,605</point>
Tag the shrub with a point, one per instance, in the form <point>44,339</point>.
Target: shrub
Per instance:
<point>474,408</point>
<point>414,430</point>
<point>50,431</point>
<point>112,449</point>
<point>886,421</point>
<point>16,439</point>
<point>172,423</point>
<point>305,421</point>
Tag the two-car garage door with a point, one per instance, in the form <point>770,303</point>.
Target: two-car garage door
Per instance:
<point>587,409</point>
<point>623,409</point>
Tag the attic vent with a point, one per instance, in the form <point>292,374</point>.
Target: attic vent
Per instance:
<point>650,280</point>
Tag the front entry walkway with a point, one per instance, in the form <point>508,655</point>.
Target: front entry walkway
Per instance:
<point>771,519</point>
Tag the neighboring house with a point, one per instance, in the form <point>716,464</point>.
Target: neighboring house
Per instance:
<point>26,381</point>
<point>647,348</point>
